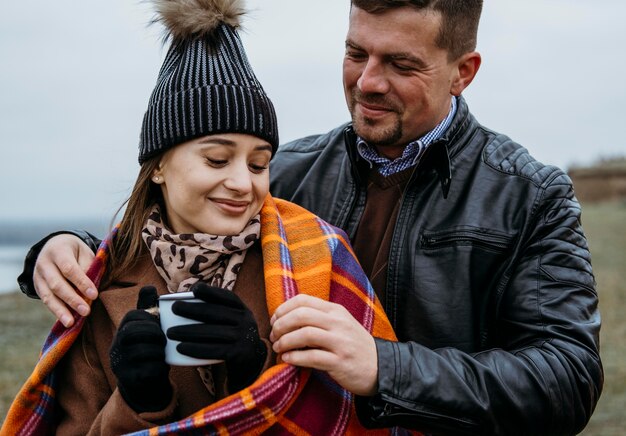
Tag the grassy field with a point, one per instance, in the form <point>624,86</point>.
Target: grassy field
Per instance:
<point>24,323</point>
<point>605,227</point>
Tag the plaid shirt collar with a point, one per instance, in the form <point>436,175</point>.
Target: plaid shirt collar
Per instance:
<point>411,154</point>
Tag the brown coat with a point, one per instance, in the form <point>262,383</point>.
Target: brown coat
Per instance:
<point>88,397</point>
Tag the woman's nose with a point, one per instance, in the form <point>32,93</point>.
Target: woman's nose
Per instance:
<point>239,179</point>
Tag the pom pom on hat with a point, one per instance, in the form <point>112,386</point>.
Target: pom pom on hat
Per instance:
<point>206,84</point>
<point>185,19</point>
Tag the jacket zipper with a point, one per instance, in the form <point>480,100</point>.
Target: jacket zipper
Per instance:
<point>476,238</point>
<point>392,409</point>
<point>397,241</point>
<point>345,218</point>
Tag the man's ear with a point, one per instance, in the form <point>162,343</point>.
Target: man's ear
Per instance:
<point>466,68</point>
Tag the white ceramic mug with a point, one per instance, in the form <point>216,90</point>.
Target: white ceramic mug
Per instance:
<point>170,319</point>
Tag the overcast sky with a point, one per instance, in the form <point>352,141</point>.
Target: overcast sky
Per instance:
<point>75,77</point>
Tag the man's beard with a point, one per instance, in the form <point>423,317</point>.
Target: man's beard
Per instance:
<point>380,136</point>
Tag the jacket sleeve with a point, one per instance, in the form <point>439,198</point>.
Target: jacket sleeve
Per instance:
<point>543,374</point>
<point>25,279</point>
<point>89,402</point>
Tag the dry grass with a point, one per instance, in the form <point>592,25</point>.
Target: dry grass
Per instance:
<point>605,227</point>
<point>23,327</point>
<point>24,323</point>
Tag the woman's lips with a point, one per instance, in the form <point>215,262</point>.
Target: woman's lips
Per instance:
<point>231,206</point>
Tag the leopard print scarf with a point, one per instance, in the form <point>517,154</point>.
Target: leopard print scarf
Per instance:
<point>184,259</point>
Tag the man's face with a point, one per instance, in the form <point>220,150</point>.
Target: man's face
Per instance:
<point>396,80</point>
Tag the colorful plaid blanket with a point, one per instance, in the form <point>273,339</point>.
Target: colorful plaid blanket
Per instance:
<point>301,254</point>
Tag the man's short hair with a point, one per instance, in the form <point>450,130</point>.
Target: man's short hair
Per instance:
<point>459,20</point>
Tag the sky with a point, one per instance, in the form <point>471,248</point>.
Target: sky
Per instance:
<point>75,78</point>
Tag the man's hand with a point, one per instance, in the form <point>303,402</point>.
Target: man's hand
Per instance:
<point>314,333</point>
<point>60,279</point>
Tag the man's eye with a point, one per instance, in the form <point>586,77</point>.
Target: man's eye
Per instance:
<point>403,67</point>
<point>355,55</point>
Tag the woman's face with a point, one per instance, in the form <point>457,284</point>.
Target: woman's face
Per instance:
<point>214,184</point>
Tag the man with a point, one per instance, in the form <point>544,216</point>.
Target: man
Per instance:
<point>474,248</point>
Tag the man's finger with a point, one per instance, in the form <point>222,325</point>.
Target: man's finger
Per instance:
<point>85,259</point>
<point>305,337</point>
<point>301,300</point>
<point>56,306</point>
<point>298,318</point>
<point>310,358</point>
<point>74,274</point>
<point>49,280</point>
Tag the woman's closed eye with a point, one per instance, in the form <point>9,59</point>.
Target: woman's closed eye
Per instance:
<point>257,167</point>
<point>216,163</point>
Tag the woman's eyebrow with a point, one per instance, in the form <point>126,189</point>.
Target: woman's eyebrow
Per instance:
<point>217,140</point>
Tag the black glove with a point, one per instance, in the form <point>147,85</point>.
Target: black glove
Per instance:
<point>228,332</point>
<point>138,357</point>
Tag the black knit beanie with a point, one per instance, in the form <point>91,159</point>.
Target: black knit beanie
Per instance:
<point>206,84</point>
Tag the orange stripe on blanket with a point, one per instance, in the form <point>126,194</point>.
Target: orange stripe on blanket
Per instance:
<point>300,217</point>
<point>348,284</point>
<point>319,268</point>
<point>48,390</point>
<point>277,272</point>
<point>248,399</point>
<point>293,428</point>
<point>222,429</point>
<point>269,416</point>
<point>268,239</point>
<point>32,392</point>
<point>309,243</point>
<point>301,273</point>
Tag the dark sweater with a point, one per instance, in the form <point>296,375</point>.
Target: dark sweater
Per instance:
<point>375,231</point>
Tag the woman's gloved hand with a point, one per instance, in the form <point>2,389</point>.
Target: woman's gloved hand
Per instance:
<point>228,331</point>
<point>138,357</point>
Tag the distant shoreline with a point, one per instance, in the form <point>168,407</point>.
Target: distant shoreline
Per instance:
<point>11,266</point>
<point>28,232</point>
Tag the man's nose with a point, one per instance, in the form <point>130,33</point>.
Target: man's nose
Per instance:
<point>373,79</point>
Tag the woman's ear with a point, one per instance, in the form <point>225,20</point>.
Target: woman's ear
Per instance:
<point>157,175</point>
<point>467,67</point>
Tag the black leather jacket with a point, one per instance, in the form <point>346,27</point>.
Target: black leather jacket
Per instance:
<point>489,285</point>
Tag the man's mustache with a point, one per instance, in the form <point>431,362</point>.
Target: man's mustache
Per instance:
<point>374,100</point>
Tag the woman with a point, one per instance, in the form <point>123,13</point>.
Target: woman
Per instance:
<point>200,218</point>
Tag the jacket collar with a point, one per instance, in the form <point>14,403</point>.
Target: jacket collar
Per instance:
<point>437,156</point>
